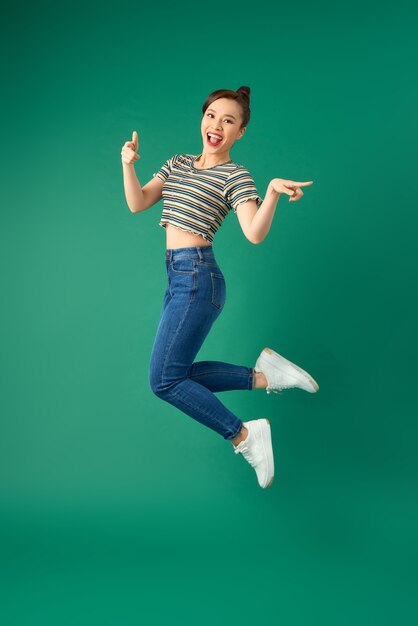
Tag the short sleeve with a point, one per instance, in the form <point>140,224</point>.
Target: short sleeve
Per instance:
<point>165,170</point>
<point>240,187</point>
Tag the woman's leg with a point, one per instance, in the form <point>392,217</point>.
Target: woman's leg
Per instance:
<point>187,317</point>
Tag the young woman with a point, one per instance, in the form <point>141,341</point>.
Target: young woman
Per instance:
<point>198,193</point>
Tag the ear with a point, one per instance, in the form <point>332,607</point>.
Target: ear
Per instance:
<point>242,131</point>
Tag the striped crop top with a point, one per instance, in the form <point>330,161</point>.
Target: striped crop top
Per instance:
<point>198,200</point>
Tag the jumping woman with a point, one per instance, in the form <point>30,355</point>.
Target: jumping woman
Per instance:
<point>198,192</point>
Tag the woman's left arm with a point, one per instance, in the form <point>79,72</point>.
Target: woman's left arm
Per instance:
<point>262,220</point>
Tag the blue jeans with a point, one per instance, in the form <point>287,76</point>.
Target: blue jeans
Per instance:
<point>194,299</point>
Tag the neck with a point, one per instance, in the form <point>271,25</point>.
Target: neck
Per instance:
<point>209,160</point>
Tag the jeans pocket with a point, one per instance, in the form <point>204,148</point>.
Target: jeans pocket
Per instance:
<point>183,266</point>
<point>218,290</point>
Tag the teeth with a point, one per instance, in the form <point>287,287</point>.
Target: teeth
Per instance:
<point>214,136</point>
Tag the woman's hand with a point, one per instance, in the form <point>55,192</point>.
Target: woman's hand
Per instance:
<point>129,149</point>
<point>291,187</point>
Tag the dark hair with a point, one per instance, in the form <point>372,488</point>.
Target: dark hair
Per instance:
<point>241,95</point>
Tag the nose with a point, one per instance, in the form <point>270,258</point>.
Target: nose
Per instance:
<point>215,126</point>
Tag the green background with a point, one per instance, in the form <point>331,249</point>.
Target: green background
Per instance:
<point>116,508</point>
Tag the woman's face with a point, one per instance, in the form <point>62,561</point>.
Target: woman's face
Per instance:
<point>222,118</point>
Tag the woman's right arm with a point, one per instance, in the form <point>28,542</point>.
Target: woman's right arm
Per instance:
<point>138,199</point>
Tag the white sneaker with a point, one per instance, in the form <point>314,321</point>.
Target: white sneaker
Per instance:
<point>258,451</point>
<point>282,374</point>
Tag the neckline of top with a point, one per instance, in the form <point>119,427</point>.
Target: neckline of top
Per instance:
<point>199,169</point>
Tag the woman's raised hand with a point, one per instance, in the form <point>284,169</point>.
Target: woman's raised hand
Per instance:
<point>129,150</point>
<point>291,187</point>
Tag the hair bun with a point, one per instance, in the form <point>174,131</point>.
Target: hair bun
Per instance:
<point>244,91</point>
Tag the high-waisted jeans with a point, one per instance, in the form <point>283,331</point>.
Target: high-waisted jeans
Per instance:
<point>194,299</point>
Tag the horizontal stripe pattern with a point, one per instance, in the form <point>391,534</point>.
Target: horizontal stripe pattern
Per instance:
<point>199,200</point>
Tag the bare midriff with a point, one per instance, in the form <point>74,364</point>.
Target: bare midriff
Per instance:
<point>178,238</point>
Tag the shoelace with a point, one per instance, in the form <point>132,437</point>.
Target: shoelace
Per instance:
<point>280,386</point>
<point>277,388</point>
<point>248,455</point>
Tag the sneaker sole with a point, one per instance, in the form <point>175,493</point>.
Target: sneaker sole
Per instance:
<point>266,438</point>
<point>308,377</point>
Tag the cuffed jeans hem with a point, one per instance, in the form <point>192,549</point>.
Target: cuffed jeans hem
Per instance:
<point>236,434</point>
<point>251,378</point>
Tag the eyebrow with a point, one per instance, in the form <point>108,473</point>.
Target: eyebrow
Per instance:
<point>226,114</point>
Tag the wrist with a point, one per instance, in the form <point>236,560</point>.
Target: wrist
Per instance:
<point>272,191</point>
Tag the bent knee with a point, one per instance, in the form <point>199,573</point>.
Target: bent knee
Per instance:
<point>156,383</point>
<point>161,387</point>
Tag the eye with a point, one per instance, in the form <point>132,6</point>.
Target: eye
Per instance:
<point>225,120</point>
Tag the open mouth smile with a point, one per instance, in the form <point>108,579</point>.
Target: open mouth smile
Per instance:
<point>213,139</point>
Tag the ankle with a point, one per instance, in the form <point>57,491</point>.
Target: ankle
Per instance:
<point>240,437</point>
<point>260,381</point>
